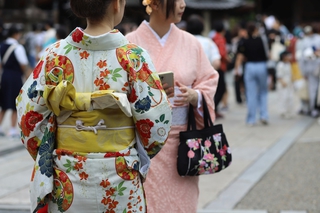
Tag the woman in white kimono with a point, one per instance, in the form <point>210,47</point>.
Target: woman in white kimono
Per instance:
<point>79,113</point>
<point>172,49</point>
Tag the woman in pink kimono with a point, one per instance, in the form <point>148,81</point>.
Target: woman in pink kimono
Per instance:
<point>91,115</point>
<point>172,49</point>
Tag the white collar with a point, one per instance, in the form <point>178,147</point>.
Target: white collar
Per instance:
<point>164,38</point>
<point>11,41</point>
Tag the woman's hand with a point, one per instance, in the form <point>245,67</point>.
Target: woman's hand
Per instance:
<point>169,90</point>
<point>187,96</point>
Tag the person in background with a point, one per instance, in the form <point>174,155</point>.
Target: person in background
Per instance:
<point>195,26</point>
<point>48,37</point>
<point>14,65</point>
<point>286,89</point>
<point>220,40</point>
<point>252,50</point>
<point>309,63</point>
<point>91,115</point>
<point>61,33</point>
<point>175,50</point>
<point>31,43</point>
<point>237,40</point>
<point>299,82</point>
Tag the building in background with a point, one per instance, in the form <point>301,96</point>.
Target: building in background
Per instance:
<point>290,12</point>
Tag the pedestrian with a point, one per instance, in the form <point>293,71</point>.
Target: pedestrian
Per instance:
<point>220,40</point>
<point>61,33</point>
<point>240,35</point>
<point>31,43</point>
<point>285,85</point>
<point>195,26</point>
<point>14,63</point>
<point>253,51</point>
<point>309,63</point>
<point>178,51</point>
<point>79,111</point>
<point>299,82</point>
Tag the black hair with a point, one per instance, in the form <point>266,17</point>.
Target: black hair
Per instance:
<point>94,10</point>
<point>195,25</point>
<point>284,54</point>
<point>13,30</point>
<point>218,26</point>
<point>50,23</point>
<point>170,6</point>
<point>251,27</point>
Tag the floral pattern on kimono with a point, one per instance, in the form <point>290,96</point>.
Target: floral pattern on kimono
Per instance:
<point>77,180</point>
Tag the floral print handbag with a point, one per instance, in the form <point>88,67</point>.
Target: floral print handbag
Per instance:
<point>204,151</point>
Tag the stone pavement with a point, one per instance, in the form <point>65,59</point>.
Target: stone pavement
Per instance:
<point>256,151</point>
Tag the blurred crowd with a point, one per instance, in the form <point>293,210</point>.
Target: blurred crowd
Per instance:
<point>292,60</point>
<point>292,64</point>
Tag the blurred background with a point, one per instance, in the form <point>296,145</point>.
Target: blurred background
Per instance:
<point>289,12</point>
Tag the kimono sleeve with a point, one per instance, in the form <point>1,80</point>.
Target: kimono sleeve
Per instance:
<point>206,82</point>
<point>34,119</point>
<point>149,104</point>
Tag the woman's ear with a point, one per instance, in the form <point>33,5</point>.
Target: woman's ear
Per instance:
<point>155,4</point>
<point>116,5</point>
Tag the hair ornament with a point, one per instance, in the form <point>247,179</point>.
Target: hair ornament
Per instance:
<point>147,4</point>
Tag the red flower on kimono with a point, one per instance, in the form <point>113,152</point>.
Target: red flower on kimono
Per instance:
<point>124,63</point>
<point>78,166</point>
<point>81,158</point>
<point>84,55</point>
<point>77,35</point>
<point>105,183</point>
<point>68,187</point>
<point>113,204</point>
<point>50,65</point>
<point>69,69</point>
<point>32,143</point>
<point>83,175</point>
<point>29,121</point>
<point>110,192</point>
<point>144,127</point>
<point>104,73</point>
<point>32,147</point>
<point>102,64</point>
<point>98,81</point>
<point>106,200</point>
<point>144,73</point>
<point>63,177</point>
<point>37,70</point>
<point>65,204</point>
<point>62,60</point>
<point>104,86</point>
<point>133,97</point>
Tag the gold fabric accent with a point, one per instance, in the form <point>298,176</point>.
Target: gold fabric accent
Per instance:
<point>90,108</point>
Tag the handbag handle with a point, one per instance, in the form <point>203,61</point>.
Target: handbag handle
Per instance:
<point>206,116</point>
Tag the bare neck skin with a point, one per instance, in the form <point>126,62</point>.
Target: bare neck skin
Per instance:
<point>159,24</point>
<point>99,28</point>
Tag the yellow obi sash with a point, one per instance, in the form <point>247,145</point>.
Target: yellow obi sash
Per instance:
<point>90,122</point>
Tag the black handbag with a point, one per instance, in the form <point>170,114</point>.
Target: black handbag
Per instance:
<point>204,151</point>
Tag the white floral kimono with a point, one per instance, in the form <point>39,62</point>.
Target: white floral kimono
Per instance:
<point>79,113</point>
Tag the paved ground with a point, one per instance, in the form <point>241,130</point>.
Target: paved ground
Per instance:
<point>273,170</point>
<point>293,182</point>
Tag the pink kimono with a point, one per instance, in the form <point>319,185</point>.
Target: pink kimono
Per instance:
<point>165,190</point>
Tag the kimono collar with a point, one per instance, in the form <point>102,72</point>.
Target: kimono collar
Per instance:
<point>108,41</point>
<point>164,38</point>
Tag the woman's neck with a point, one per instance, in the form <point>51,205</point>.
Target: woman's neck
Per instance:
<point>100,28</point>
<point>159,26</point>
